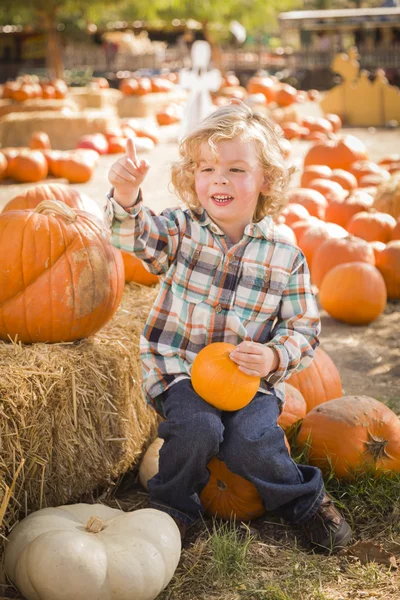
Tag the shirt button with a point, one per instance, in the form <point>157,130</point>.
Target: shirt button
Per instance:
<point>218,308</point>
<point>196,255</point>
<point>266,277</point>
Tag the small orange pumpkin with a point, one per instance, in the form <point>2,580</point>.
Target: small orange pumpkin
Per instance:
<point>218,380</point>
<point>372,226</point>
<point>28,166</point>
<point>312,200</point>
<point>337,154</point>
<point>39,141</point>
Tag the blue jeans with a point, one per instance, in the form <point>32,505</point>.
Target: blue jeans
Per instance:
<point>249,441</point>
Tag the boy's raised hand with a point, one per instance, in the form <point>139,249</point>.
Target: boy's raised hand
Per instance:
<point>126,176</point>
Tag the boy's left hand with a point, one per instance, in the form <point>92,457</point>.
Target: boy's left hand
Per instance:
<point>255,359</point>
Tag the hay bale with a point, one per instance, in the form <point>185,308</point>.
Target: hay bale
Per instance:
<point>148,105</point>
<point>37,104</point>
<point>63,129</point>
<point>72,416</point>
<point>86,97</point>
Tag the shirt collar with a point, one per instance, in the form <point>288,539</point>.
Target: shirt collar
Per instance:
<point>263,228</point>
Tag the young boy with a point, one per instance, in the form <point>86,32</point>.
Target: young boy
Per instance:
<point>227,275</point>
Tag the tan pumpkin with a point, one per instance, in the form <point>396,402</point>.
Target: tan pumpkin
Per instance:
<point>353,293</point>
<point>136,271</point>
<point>226,495</point>
<point>319,382</point>
<point>73,279</point>
<point>372,226</point>
<point>294,407</point>
<point>387,197</point>
<point>336,251</point>
<point>350,434</point>
<point>388,263</point>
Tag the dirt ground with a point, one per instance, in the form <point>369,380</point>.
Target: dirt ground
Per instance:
<point>368,357</point>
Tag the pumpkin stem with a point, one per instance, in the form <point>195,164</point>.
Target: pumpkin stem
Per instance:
<point>55,207</point>
<point>94,525</point>
<point>376,446</point>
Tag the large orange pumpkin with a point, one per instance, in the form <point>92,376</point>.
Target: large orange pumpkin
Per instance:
<point>342,211</point>
<point>315,235</point>
<point>319,382</point>
<point>352,433</point>
<point>353,293</point>
<point>226,495</point>
<point>388,263</point>
<point>30,198</point>
<point>347,180</point>
<point>337,154</point>
<point>60,279</point>
<point>136,271</point>
<point>336,251</point>
<point>294,407</point>
<point>218,380</point>
<point>315,172</point>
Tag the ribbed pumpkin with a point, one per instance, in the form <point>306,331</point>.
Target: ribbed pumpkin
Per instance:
<point>28,166</point>
<point>218,380</point>
<point>387,197</point>
<point>388,263</point>
<point>136,271</point>
<point>30,199</point>
<point>337,251</point>
<point>347,180</point>
<point>225,495</point>
<point>294,408</point>
<point>60,278</point>
<point>372,226</point>
<point>336,154</point>
<point>319,382</point>
<point>352,433</point>
<point>361,168</point>
<point>353,293</point>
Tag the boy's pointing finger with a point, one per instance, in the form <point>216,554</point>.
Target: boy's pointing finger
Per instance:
<point>131,150</point>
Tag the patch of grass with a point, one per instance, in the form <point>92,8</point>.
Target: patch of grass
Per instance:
<point>229,550</point>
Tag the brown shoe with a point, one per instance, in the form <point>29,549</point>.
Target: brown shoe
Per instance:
<point>182,526</point>
<point>327,530</point>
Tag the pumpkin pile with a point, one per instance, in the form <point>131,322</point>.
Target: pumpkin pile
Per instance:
<point>29,87</point>
<point>345,217</point>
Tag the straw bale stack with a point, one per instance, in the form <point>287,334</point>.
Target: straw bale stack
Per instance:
<point>86,97</point>
<point>63,128</point>
<point>37,104</point>
<point>72,416</point>
<point>149,104</point>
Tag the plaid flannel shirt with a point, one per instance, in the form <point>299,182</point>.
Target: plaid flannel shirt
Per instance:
<point>213,291</point>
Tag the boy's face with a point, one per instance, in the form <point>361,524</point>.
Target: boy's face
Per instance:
<point>228,186</point>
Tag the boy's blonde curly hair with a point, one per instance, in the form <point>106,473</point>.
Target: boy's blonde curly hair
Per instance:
<point>227,123</point>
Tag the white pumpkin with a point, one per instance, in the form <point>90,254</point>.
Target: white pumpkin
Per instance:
<point>93,552</point>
